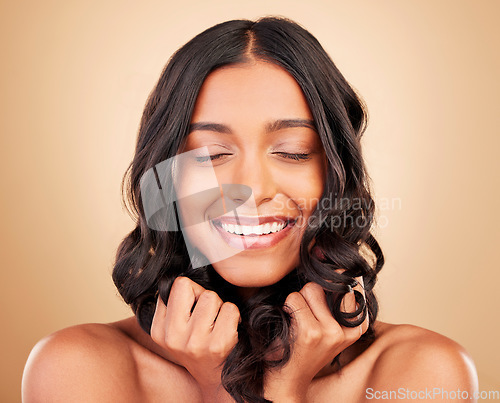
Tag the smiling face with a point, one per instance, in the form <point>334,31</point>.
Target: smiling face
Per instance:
<point>251,126</point>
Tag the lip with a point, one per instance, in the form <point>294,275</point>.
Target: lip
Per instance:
<point>252,241</point>
<point>253,220</point>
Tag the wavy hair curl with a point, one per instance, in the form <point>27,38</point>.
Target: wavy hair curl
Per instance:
<point>148,261</point>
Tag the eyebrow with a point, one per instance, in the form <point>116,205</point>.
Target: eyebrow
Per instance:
<point>272,126</point>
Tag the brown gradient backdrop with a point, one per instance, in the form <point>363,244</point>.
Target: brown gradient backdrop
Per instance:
<point>75,77</point>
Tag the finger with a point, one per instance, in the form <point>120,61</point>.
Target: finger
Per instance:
<point>361,288</point>
<point>205,313</point>
<point>305,321</point>
<point>226,324</point>
<point>183,294</point>
<point>349,304</point>
<point>158,324</point>
<point>161,309</point>
<point>315,297</point>
<point>352,334</point>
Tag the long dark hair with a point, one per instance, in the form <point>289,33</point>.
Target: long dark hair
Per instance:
<point>148,261</point>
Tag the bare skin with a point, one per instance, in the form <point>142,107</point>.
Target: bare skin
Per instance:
<point>178,363</point>
<point>119,362</point>
<point>201,341</point>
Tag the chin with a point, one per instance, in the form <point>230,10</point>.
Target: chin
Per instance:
<point>253,275</point>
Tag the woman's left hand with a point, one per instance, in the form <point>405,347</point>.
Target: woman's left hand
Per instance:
<point>318,339</point>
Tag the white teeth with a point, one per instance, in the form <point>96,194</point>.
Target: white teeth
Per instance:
<point>257,229</point>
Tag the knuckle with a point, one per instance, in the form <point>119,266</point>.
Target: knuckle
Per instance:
<point>209,295</point>
<point>312,336</point>
<point>307,290</point>
<point>231,308</point>
<point>165,340</point>
<point>311,287</point>
<point>311,290</point>
<point>234,338</point>
<point>336,334</point>
<point>216,349</point>
<point>171,344</point>
<point>294,298</point>
<point>195,349</point>
<point>180,283</point>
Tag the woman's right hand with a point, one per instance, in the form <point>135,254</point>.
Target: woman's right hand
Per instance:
<point>200,341</point>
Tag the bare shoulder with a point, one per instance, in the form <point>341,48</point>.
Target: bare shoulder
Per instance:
<point>418,359</point>
<point>88,362</point>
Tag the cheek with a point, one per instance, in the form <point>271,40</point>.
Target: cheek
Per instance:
<point>188,210</point>
<point>195,191</point>
<point>315,183</point>
<point>304,188</point>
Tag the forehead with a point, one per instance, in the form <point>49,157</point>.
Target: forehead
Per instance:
<point>257,90</point>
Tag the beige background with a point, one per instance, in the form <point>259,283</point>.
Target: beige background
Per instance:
<point>75,77</point>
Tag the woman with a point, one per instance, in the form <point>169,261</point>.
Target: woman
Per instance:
<point>251,269</point>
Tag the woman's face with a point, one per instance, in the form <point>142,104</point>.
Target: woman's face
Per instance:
<point>254,121</point>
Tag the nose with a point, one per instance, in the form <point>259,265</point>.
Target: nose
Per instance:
<point>255,172</point>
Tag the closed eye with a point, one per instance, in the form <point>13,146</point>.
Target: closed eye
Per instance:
<point>205,158</point>
<point>296,157</point>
